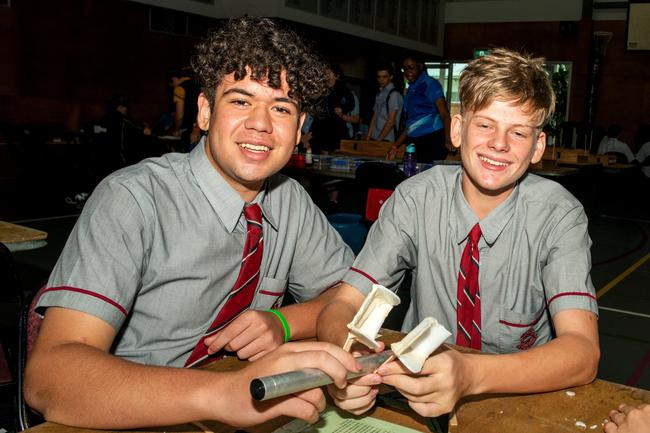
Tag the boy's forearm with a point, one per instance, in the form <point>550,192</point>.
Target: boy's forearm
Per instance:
<point>303,317</point>
<point>113,393</point>
<point>388,126</point>
<point>333,319</point>
<point>569,360</point>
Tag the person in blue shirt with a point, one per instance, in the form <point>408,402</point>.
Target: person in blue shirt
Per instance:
<point>427,116</point>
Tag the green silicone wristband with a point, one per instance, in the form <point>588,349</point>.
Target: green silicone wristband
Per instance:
<point>285,325</point>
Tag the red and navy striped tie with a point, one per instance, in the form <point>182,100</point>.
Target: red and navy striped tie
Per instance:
<point>241,295</point>
<point>468,296</point>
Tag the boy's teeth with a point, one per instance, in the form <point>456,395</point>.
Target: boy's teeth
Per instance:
<point>490,161</point>
<point>256,147</point>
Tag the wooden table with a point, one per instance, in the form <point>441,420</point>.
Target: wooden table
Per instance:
<point>579,164</point>
<point>19,238</point>
<point>554,171</point>
<point>557,411</point>
<point>348,171</point>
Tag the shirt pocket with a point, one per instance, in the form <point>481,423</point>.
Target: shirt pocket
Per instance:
<point>521,331</point>
<point>270,294</point>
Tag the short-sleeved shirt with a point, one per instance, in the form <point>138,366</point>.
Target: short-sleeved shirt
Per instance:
<point>641,156</point>
<point>534,256</point>
<point>395,102</point>
<point>422,115</point>
<point>159,245</point>
<point>611,144</point>
<point>354,112</point>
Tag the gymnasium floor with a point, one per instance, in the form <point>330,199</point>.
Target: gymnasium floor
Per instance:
<point>620,231</point>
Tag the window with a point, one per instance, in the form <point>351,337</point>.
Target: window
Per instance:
<point>448,73</point>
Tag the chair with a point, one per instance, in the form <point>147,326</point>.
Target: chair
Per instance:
<point>368,148</point>
<point>375,182</point>
<point>576,135</point>
<point>11,298</point>
<point>351,228</point>
<point>28,328</point>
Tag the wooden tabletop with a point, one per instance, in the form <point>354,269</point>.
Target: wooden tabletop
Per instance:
<point>18,238</point>
<point>576,409</point>
<point>554,171</point>
<point>582,408</point>
<point>577,164</point>
<point>558,411</point>
<point>348,171</point>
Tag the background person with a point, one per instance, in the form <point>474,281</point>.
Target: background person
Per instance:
<point>385,121</point>
<point>329,127</point>
<point>352,119</point>
<point>185,92</point>
<point>643,158</point>
<point>427,116</point>
<point>126,137</point>
<point>611,144</point>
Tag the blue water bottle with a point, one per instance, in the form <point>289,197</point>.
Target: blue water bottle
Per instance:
<point>410,161</point>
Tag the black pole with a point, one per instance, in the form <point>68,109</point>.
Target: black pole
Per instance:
<point>599,43</point>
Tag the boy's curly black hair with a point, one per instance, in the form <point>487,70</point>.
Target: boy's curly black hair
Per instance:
<point>267,49</point>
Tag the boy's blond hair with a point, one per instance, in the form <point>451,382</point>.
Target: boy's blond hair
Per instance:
<point>507,75</point>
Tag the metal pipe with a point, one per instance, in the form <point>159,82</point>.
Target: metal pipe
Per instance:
<point>277,385</point>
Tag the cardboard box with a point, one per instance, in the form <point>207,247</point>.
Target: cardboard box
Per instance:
<point>368,148</point>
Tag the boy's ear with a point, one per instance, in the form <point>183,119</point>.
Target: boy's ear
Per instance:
<point>301,121</point>
<point>203,117</point>
<point>456,132</point>
<point>538,148</point>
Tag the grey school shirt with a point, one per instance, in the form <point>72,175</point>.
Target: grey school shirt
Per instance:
<point>534,255</point>
<point>158,247</point>
<point>395,103</point>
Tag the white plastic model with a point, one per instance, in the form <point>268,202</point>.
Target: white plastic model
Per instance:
<point>364,328</point>
<point>418,344</point>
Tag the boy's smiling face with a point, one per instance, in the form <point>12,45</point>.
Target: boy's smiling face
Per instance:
<point>497,144</point>
<point>252,131</point>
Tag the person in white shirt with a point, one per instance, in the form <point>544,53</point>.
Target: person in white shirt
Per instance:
<point>611,143</point>
<point>642,156</point>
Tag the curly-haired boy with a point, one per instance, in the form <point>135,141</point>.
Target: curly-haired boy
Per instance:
<point>178,258</point>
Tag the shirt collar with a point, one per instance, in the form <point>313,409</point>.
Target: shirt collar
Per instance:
<point>388,87</point>
<point>225,201</point>
<point>463,217</point>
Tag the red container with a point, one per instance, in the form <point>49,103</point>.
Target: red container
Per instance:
<point>299,160</point>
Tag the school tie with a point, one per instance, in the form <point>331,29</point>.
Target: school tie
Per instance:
<point>468,296</point>
<point>241,295</point>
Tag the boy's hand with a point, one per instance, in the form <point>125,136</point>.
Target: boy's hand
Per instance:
<point>629,419</point>
<point>444,379</point>
<point>252,335</point>
<point>240,410</point>
<point>360,394</point>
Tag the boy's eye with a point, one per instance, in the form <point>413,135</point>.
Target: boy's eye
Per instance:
<point>520,134</point>
<point>239,101</point>
<point>282,110</point>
